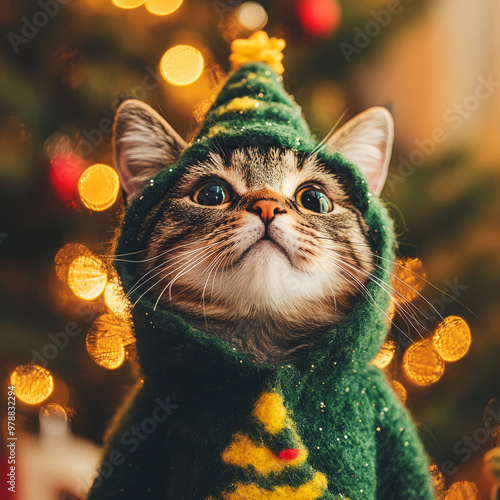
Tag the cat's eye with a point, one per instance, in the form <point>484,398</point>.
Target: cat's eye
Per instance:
<point>211,193</point>
<point>313,199</point>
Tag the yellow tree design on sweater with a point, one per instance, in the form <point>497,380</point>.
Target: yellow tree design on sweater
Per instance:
<point>243,451</point>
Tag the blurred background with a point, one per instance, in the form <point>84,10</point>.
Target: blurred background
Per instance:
<point>65,63</point>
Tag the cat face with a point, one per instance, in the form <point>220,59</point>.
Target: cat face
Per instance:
<point>261,246</point>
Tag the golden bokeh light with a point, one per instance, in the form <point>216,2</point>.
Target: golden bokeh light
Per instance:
<point>252,16</point>
<point>422,364</point>
<point>66,255</point>
<point>98,187</point>
<point>408,282</point>
<point>33,384</point>
<point>105,341</point>
<point>385,355</point>
<point>491,460</point>
<point>181,65</point>
<point>163,7</point>
<point>115,299</point>
<point>437,479</point>
<point>452,338</point>
<point>128,4</point>
<point>463,490</point>
<point>87,277</point>
<point>400,390</point>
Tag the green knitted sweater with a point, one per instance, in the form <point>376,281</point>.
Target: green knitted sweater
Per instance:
<point>209,423</point>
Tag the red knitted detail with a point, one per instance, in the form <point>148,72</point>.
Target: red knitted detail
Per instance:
<point>289,454</point>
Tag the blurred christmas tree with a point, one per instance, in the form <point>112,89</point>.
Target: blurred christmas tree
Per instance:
<point>64,66</point>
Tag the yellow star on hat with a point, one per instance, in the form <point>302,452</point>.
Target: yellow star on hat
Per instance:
<point>258,47</point>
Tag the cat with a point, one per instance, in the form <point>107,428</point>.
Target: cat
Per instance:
<point>261,246</point>
<point>258,264</point>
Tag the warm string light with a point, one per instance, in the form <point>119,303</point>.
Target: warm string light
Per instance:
<point>115,299</point>
<point>87,277</point>
<point>424,361</point>
<point>452,338</point>
<point>110,339</point>
<point>33,384</point>
<point>182,65</point>
<point>106,341</point>
<point>437,479</point>
<point>128,4</point>
<point>463,490</point>
<point>422,364</point>
<point>251,16</point>
<point>163,7</point>
<point>409,279</point>
<point>157,7</point>
<point>245,19</point>
<point>385,355</point>
<point>99,187</point>
<point>66,255</point>
<point>491,460</point>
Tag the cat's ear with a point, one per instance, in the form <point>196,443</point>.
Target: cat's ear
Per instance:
<point>367,141</point>
<point>144,144</point>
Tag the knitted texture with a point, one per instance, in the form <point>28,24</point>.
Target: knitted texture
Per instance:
<point>326,426</point>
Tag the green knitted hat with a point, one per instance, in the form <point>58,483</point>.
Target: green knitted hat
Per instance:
<point>234,418</point>
<point>253,108</point>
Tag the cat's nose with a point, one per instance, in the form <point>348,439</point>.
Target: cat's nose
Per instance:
<point>267,209</point>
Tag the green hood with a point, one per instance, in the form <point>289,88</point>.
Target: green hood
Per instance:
<point>167,345</point>
<point>228,422</point>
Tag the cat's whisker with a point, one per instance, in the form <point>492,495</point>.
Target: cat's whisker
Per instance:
<point>161,271</point>
<point>231,251</point>
<point>163,267</point>
<point>339,263</point>
<point>334,296</point>
<point>223,262</point>
<point>154,257</point>
<point>396,277</point>
<point>138,284</point>
<point>406,302</point>
<point>209,269</point>
<point>181,273</point>
<point>215,264</point>
<point>393,292</point>
<point>112,256</point>
<point>165,276</point>
<point>365,290</point>
<point>389,320</point>
<point>407,316</point>
<point>431,285</point>
<point>427,282</point>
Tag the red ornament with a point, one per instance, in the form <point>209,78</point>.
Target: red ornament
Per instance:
<point>319,18</point>
<point>288,454</point>
<point>64,174</point>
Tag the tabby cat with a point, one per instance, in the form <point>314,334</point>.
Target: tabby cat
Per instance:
<point>261,246</point>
